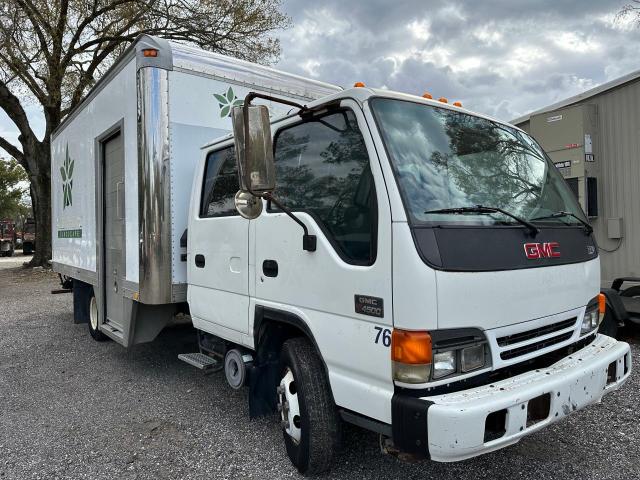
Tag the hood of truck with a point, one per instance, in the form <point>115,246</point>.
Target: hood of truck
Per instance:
<point>496,299</point>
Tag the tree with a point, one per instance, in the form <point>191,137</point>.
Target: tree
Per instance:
<point>52,52</point>
<point>11,190</point>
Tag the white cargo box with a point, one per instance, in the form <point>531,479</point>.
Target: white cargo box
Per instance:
<point>162,108</point>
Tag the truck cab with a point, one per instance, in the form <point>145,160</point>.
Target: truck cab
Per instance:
<point>450,298</point>
<point>7,237</point>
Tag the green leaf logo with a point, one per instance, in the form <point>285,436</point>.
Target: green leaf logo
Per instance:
<point>227,100</point>
<point>66,172</point>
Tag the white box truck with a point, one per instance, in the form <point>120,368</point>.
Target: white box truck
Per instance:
<point>354,255</point>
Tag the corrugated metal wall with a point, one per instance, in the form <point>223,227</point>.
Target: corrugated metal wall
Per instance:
<point>618,151</point>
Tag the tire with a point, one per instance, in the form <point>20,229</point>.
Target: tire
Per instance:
<point>94,330</point>
<point>312,433</point>
<point>26,250</point>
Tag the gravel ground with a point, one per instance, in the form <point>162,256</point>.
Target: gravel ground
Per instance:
<point>74,408</point>
<point>14,261</point>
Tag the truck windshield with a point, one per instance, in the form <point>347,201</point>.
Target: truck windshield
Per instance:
<point>446,159</point>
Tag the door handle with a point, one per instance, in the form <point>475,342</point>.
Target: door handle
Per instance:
<point>200,260</point>
<point>270,268</point>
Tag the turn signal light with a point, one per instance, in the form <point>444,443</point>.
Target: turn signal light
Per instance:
<point>427,95</point>
<point>358,84</point>
<point>443,100</point>
<point>457,104</point>
<point>411,355</point>
<point>410,347</point>
<point>602,303</point>
<point>150,52</point>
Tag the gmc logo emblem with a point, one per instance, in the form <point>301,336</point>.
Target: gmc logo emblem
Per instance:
<point>535,251</point>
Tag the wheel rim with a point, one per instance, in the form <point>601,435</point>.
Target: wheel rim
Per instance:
<point>93,313</point>
<point>289,406</point>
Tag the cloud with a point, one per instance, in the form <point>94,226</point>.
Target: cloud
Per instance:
<point>499,57</point>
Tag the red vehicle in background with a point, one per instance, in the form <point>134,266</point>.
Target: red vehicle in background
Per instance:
<point>7,237</point>
<point>29,236</point>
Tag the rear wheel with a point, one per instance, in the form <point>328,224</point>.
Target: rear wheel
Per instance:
<point>310,421</point>
<point>94,329</point>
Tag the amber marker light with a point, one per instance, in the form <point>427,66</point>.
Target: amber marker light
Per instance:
<point>457,104</point>
<point>443,100</point>
<point>358,84</point>
<point>411,356</point>
<point>427,95</point>
<point>150,52</point>
<point>410,346</point>
<point>602,305</point>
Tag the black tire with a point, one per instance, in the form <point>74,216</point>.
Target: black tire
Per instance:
<point>26,250</point>
<point>94,330</point>
<point>319,422</point>
<point>609,325</point>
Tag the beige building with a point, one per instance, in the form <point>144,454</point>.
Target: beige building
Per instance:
<point>594,140</point>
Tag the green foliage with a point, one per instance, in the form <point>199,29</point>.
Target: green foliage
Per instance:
<point>12,189</point>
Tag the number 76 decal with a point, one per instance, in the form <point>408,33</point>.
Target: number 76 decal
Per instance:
<point>383,336</point>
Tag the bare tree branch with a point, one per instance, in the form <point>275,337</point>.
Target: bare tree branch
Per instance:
<point>12,107</point>
<point>11,149</point>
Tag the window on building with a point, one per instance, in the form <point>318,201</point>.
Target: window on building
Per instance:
<point>322,168</point>
<point>220,184</point>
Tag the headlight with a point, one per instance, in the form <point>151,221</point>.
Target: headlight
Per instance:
<point>472,358</point>
<point>593,314</point>
<point>590,320</point>
<point>420,356</point>
<point>444,363</point>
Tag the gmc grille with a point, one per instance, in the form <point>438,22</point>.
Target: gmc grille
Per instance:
<point>536,332</point>
<point>529,338</point>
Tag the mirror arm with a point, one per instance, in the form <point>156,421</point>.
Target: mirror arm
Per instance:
<point>309,242</point>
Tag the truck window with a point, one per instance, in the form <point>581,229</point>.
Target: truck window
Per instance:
<point>322,168</point>
<point>220,184</point>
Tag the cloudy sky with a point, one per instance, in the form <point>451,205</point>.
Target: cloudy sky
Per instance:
<point>499,57</point>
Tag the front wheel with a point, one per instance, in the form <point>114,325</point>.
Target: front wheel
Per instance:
<point>310,421</point>
<point>94,330</point>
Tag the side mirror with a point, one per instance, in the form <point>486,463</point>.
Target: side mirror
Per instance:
<point>254,148</point>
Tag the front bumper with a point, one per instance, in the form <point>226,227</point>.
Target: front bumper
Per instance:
<point>457,425</point>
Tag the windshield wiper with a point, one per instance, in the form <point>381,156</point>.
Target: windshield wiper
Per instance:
<point>587,228</point>
<point>482,209</point>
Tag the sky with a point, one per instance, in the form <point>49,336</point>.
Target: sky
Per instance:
<point>502,58</point>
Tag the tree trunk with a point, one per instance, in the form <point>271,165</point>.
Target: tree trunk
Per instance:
<point>41,199</point>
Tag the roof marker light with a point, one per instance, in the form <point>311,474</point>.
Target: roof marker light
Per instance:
<point>457,104</point>
<point>358,84</point>
<point>427,95</point>
<point>149,52</point>
<point>443,100</point>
